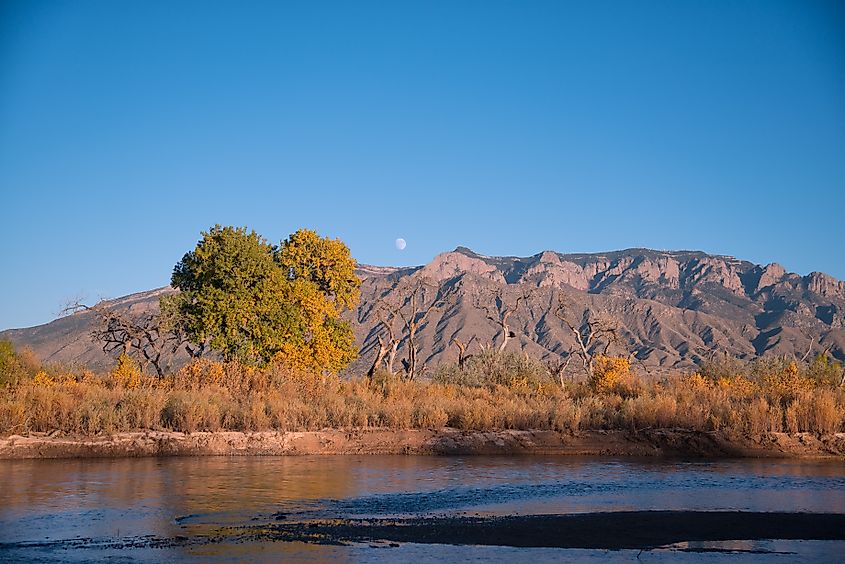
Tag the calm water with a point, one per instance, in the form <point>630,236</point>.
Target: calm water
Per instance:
<point>42,502</point>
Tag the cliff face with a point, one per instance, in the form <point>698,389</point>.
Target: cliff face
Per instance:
<point>673,308</point>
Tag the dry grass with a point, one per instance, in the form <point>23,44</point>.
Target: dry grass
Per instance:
<point>499,392</point>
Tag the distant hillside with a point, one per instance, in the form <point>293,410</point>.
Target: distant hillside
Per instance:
<point>674,308</point>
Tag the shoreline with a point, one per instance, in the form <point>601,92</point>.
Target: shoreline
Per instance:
<point>446,441</point>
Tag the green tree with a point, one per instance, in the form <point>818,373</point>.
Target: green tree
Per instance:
<point>255,302</point>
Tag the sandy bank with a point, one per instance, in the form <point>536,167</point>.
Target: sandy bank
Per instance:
<point>662,442</point>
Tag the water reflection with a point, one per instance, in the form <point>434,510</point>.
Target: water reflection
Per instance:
<point>109,499</point>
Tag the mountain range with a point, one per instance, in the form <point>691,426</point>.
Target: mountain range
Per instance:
<point>672,308</point>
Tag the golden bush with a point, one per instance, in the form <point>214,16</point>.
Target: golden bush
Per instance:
<point>789,383</point>
<point>737,386</point>
<point>43,380</point>
<point>608,371</point>
<point>126,373</point>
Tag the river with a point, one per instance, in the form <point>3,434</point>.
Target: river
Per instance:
<point>133,508</point>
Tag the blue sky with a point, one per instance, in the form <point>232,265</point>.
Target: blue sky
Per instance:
<point>126,128</point>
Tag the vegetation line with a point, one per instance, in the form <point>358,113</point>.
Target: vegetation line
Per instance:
<point>491,391</point>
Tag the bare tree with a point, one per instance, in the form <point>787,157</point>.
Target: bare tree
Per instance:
<point>387,320</point>
<point>558,368</point>
<point>499,307</point>
<point>385,333</point>
<point>140,336</point>
<point>463,357</point>
<point>172,322</point>
<point>380,354</point>
<point>410,303</point>
<point>593,334</point>
<point>809,351</point>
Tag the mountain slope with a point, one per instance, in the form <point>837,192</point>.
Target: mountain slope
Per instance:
<point>673,308</point>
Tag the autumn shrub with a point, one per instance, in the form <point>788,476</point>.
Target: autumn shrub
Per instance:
<point>493,368</point>
<point>820,411</point>
<point>787,384</point>
<point>565,415</point>
<point>824,371</point>
<point>43,380</point>
<point>611,374</point>
<point>212,396</point>
<point>126,373</point>
<point>722,366</point>
<point>384,381</point>
<point>829,417</point>
<point>649,411</point>
<point>15,365</point>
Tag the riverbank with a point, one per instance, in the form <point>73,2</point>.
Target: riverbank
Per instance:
<point>446,441</point>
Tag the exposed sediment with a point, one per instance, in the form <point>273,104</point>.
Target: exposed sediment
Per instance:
<point>647,443</point>
<point>630,529</point>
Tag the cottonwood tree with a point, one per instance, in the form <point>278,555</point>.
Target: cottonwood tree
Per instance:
<point>499,305</point>
<point>594,334</point>
<point>142,337</point>
<point>408,305</point>
<point>255,302</point>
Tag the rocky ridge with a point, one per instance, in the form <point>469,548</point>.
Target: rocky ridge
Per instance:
<point>674,308</point>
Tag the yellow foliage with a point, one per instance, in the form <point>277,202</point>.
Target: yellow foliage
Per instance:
<point>126,373</point>
<point>87,377</point>
<point>42,379</point>
<point>200,373</point>
<point>327,342</point>
<point>696,380</point>
<point>519,384</point>
<point>789,383</point>
<point>547,388</point>
<point>325,262</point>
<point>738,386</point>
<point>608,371</point>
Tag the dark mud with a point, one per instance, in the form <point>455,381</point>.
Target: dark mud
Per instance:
<point>644,530</point>
<point>614,531</point>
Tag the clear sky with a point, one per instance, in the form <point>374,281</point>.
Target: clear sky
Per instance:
<point>126,128</point>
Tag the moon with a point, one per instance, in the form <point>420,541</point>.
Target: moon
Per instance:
<point>400,244</point>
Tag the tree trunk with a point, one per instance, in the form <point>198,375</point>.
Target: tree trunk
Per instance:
<point>412,359</point>
<point>382,351</point>
<point>506,335</point>
<point>462,354</point>
<point>391,358</point>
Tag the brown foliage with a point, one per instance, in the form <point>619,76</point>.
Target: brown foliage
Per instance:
<point>492,391</point>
